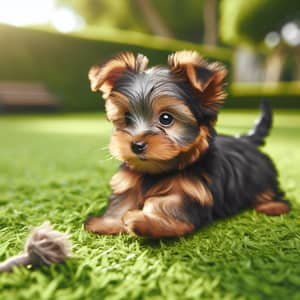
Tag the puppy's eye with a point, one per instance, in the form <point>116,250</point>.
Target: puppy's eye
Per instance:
<point>128,119</point>
<point>166,119</point>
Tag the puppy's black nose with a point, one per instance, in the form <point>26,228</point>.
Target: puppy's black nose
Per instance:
<point>138,147</point>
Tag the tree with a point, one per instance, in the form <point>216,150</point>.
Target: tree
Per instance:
<point>180,19</point>
<point>210,18</point>
<point>153,19</point>
<point>109,13</point>
<point>183,18</point>
<point>248,22</point>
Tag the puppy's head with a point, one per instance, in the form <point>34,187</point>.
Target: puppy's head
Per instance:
<point>163,116</point>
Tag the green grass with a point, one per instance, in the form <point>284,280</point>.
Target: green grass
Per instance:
<point>57,168</point>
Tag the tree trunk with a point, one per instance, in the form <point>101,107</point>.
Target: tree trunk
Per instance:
<point>210,18</point>
<point>274,66</point>
<point>297,59</point>
<point>153,19</point>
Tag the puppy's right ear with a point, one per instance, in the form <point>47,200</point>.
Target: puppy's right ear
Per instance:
<point>206,78</point>
<point>103,77</point>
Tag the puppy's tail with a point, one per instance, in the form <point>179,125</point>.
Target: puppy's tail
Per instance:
<point>262,126</point>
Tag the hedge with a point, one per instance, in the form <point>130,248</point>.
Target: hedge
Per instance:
<point>62,61</point>
<point>283,95</point>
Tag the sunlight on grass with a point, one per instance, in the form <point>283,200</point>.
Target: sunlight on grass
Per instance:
<point>72,126</point>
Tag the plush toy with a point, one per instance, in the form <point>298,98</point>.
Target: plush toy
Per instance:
<point>44,246</point>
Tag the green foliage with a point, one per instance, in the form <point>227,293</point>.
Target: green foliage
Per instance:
<point>55,168</point>
<point>109,14</point>
<point>279,95</point>
<point>183,18</point>
<point>250,21</point>
<point>63,61</point>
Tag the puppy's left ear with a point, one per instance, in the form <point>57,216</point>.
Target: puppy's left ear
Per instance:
<point>103,77</point>
<point>207,79</point>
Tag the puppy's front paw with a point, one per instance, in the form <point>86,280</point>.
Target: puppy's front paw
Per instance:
<point>104,225</point>
<point>92,224</point>
<point>135,222</point>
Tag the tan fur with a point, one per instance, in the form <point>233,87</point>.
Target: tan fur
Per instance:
<point>105,225</point>
<point>116,106</point>
<point>265,203</point>
<point>196,189</point>
<point>124,180</point>
<point>272,208</point>
<point>119,145</point>
<point>185,57</point>
<point>160,148</point>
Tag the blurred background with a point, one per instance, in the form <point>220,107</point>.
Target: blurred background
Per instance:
<point>47,46</point>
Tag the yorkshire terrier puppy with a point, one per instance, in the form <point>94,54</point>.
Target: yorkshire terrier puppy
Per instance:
<point>177,174</point>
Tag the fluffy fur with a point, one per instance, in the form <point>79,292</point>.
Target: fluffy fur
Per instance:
<point>177,174</point>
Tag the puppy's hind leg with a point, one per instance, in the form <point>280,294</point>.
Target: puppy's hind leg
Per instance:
<point>267,203</point>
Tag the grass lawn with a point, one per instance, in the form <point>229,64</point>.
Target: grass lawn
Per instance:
<point>57,168</point>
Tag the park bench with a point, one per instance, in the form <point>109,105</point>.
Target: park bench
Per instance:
<point>26,96</point>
